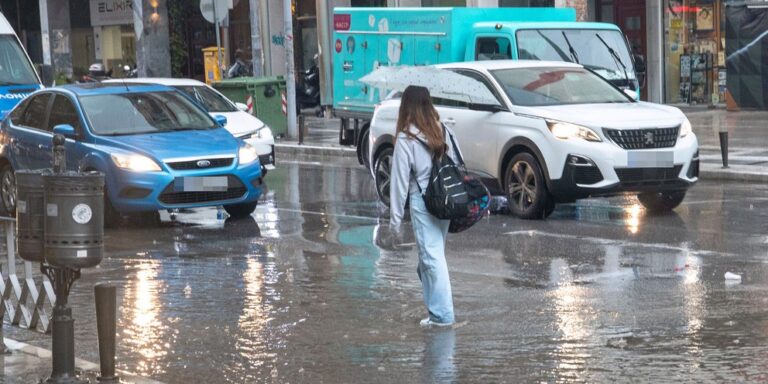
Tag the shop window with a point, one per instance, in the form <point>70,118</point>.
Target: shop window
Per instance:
<point>444,3</point>
<point>526,3</point>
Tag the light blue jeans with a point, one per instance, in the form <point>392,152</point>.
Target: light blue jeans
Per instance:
<point>433,270</point>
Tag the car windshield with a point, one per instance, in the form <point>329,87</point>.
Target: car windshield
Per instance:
<point>588,47</point>
<point>143,112</point>
<point>211,100</point>
<point>15,69</point>
<point>556,86</point>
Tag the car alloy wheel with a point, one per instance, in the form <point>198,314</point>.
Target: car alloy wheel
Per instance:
<point>383,174</point>
<point>8,190</point>
<point>527,194</point>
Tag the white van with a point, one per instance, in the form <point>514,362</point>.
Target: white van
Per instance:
<point>17,75</point>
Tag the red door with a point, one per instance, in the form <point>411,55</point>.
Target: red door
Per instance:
<point>629,15</point>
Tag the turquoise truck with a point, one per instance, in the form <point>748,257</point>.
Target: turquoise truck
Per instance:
<point>367,38</point>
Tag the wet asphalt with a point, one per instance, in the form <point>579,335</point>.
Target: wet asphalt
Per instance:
<point>309,290</point>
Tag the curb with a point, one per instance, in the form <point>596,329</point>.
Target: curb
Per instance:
<point>80,364</point>
<point>315,150</point>
<point>727,174</point>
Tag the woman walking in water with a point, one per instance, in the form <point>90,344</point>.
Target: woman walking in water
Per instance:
<point>420,136</point>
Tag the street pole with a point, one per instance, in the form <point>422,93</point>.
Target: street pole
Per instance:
<point>290,81</point>
<point>218,38</point>
<point>256,54</point>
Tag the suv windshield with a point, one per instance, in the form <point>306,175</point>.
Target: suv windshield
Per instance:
<point>15,69</point>
<point>211,100</point>
<point>556,86</point>
<point>137,113</point>
<point>588,47</point>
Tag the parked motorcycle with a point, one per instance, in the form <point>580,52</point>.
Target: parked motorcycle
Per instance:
<point>308,93</point>
<point>131,73</point>
<point>96,73</point>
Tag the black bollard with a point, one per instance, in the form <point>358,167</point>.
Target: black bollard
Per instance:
<point>724,147</point>
<point>106,323</point>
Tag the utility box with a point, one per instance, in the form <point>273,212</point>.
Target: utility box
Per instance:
<point>212,64</point>
<point>74,219</point>
<point>30,217</point>
<point>267,94</point>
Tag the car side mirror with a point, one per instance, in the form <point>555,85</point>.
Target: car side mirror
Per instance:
<point>640,66</point>
<point>221,120</point>
<point>65,130</point>
<point>241,107</point>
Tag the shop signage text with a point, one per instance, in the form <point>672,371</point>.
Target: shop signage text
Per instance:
<point>111,12</point>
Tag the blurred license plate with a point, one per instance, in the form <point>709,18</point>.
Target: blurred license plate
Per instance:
<point>202,184</point>
<point>650,159</point>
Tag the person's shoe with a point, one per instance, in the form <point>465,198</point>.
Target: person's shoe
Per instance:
<point>429,322</point>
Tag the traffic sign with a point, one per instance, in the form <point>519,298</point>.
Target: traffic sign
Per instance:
<point>221,11</point>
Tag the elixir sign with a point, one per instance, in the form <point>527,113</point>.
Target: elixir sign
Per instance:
<point>111,12</point>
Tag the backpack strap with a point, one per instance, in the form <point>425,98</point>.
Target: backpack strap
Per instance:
<point>453,145</point>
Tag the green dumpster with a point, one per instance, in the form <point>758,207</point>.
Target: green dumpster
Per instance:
<point>267,98</point>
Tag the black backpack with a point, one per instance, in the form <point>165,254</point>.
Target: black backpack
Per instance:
<point>451,193</point>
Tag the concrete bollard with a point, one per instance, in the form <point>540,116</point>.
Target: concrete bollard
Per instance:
<point>106,323</point>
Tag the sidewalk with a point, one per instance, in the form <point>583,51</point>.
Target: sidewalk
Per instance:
<point>747,130</point>
<point>29,364</point>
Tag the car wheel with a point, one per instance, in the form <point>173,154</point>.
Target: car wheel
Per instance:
<point>526,190</point>
<point>242,210</point>
<point>8,189</point>
<point>661,201</point>
<point>383,174</point>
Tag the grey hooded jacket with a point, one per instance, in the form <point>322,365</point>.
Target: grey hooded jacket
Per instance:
<point>411,164</point>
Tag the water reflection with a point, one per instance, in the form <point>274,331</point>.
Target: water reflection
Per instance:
<point>632,220</point>
<point>439,365</point>
<point>251,342</point>
<point>145,332</point>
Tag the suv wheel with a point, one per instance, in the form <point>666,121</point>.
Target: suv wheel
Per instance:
<point>661,201</point>
<point>8,189</point>
<point>383,174</point>
<point>526,190</point>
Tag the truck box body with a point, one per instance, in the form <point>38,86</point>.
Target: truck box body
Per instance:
<point>366,38</point>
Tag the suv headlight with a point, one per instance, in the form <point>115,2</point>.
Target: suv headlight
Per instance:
<point>247,154</point>
<point>685,128</point>
<point>136,163</point>
<point>565,131</point>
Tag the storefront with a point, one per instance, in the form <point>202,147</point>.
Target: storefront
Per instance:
<point>114,34</point>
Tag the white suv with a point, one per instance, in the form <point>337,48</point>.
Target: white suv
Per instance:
<point>559,133</point>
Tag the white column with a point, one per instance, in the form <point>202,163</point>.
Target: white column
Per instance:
<point>290,82</point>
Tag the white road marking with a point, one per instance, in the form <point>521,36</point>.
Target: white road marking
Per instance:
<point>369,218</point>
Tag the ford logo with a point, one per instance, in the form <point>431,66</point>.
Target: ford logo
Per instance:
<point>203,164</point>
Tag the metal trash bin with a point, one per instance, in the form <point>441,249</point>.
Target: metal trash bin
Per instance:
<point>29,215</point>
<point>74,219</point>
<point>267,94</point>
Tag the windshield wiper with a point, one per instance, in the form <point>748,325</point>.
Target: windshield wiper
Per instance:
<point>570,49</point>
<point>555,46</point>
<point>616,58</point>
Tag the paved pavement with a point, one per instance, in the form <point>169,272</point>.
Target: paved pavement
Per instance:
<point>747,130</point>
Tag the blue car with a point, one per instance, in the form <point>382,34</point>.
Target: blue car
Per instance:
<point>157,148</point>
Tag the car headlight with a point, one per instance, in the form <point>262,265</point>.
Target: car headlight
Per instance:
<point>262,133</point>
<point>566,131</point>
<point>247,154</point>
<point>136,163</point>
<point>685,128</point>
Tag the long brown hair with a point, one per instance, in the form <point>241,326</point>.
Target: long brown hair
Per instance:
<point>416,108</point>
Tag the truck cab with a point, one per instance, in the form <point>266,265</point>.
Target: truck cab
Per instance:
<point>600,47</point>
<point>17,75</point>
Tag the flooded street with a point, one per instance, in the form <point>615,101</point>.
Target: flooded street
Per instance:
<point>309,291</point>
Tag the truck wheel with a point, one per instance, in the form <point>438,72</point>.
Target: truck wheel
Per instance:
<point>8,189</point>
<point>526,190</point>
<point>242,210</point>
<point>383,174</point>
<point>661,201</point>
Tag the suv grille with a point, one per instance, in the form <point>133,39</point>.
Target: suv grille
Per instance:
<point>648,176</point>
<point>236,190</point>
<point>192,164</point>
<point>644,138</point>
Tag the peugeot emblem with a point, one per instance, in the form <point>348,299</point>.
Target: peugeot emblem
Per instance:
<point>649,138</point>
<point>203,164</point>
